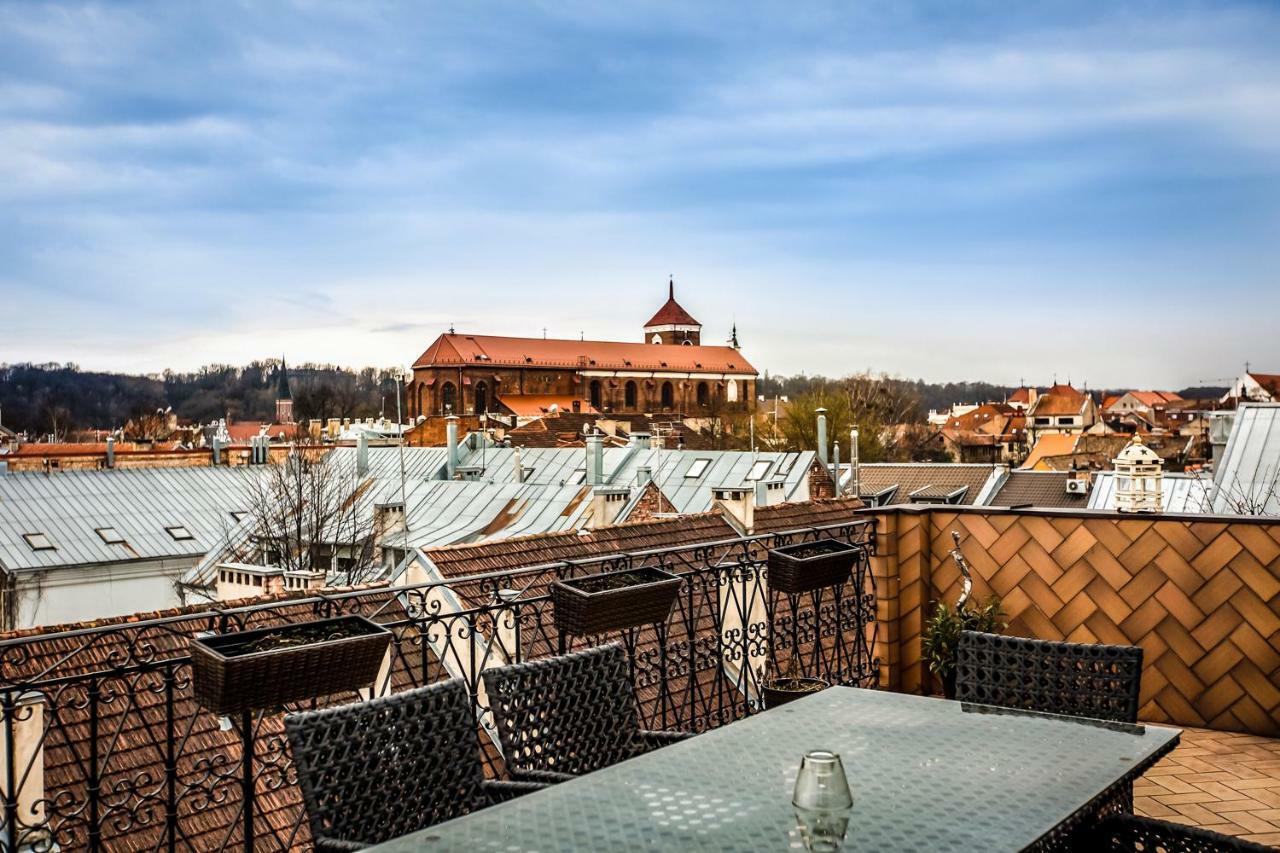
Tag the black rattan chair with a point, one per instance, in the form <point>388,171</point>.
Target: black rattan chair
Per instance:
<point>1130,834</point>
<point>561,717</point>
<point>377,770</point>
<point>1075,679</point>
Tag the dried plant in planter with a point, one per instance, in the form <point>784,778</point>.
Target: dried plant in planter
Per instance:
<point>781,689</point>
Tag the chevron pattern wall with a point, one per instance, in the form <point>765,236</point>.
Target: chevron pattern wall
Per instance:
<point>1201,595</point>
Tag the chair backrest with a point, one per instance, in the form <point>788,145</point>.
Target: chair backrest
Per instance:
<point>1076,679</point>
<point>377,770</point>
<point>573,714</point>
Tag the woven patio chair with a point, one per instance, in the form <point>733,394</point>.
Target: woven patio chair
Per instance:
<point>561,717</point>
<point>380,769</point>
<point>1130,834</point>
<point>1074,679</point>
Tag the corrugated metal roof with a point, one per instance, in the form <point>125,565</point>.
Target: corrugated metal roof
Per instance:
<point>1247,480</point>
<point>443,512</point>
<point>1179,492</point>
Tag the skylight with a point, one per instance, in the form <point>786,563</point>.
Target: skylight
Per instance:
<point>179,533</point>
<point>39,542</point>
<point>758,470</point>
<point>697,468</point>
<point>109,535</point>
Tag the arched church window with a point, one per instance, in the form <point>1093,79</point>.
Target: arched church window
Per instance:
<point>668,395</point>
<point>704,394</point>
<point>448,398</point>
<point>595,394</point>
<point>629,394</point>
<point>482,398</point>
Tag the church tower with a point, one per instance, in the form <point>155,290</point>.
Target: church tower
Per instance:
<point>284,399</point>
<point>672,324</point>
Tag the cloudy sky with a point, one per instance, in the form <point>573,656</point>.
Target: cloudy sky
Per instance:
<point>957,190</point>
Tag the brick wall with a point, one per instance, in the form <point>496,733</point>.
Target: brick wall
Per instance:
<point>1199,594</point>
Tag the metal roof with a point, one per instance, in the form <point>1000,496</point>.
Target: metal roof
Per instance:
<point>139,503</point>
<point>1179,492</point>
<point>1247,480</point>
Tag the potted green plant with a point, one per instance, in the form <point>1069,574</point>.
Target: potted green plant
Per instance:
<point>613,601</point>
<point>806,566</point>
<point>781,689</point>
<point>267,667</point>
<point>942,636</point>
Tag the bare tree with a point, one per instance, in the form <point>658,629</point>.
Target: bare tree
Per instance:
<point>312,512</point>
<point>1259,496</point>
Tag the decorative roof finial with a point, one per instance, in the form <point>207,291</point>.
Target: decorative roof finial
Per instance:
<point>671,287</point>
<point>451,331</point>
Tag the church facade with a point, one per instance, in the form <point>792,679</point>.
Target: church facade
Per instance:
<point>670,371</point>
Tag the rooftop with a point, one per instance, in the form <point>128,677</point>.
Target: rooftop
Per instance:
<point>492,351</point>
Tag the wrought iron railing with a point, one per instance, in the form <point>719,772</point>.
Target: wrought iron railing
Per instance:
<point>103,746</point>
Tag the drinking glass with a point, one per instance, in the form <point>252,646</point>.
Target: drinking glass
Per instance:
<point>821,784</point>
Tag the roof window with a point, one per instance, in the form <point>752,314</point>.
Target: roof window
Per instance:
<point>697,469</point>
<point>758,470</point>
<point>109,535</point>
<point>179,533</point>
<point>39,542</point>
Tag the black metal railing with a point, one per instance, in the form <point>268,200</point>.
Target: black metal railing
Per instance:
<point>104,747</point>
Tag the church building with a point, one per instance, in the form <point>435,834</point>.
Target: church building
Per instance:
<point>670,372</point>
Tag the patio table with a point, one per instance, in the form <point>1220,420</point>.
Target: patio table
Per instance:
<point>927,774</point>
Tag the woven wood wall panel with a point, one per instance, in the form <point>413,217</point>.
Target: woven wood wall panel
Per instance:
<point>1201,598</point>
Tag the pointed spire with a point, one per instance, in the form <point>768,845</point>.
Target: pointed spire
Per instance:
<point>671,287</point>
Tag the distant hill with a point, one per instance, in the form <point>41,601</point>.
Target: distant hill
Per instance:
<point>58,398</point>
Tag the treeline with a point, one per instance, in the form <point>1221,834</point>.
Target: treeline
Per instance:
<point>59,399</point>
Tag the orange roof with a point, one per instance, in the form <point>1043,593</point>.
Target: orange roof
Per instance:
<point>1022,395</point>
<point>242,432</point>
<point>671,314</point>
<point>1052,444</point>
<point>491,350</point>
<point>533,405</point>
<point>1269,381</point>
<point>1059,400</point>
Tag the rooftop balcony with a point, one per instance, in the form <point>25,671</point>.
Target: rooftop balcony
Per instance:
<point>104,746</point>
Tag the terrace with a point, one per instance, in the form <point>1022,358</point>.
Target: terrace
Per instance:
<point>106,748</point>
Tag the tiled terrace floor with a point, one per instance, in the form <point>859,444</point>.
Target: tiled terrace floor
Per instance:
<point>1218,780</point>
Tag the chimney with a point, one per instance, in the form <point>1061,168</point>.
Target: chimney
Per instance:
<point>519,465</point>
<point>854,485</point>
<point>595,459</point>
<point>111,451</point>
<point>641,440</point>
<point>606,503</point>
<point>451,441</point>
<point>822,437</point>
<point>835,467</point>
<point>362,454</point>
<point>644,474</point>
<point>770,493</point>
<point>217,451</point>
<point>738,505</point>
<point>246,580</point>
<point>333,427</point>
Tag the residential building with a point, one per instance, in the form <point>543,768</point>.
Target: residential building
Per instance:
<point>671,371</point>
<point>990,433</point>
<point>1062,410</point>
<point>1247,479</point>
<point>890,483</point>
<point>1254,387</point>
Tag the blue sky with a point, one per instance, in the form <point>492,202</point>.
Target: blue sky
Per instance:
<point>948,190</point>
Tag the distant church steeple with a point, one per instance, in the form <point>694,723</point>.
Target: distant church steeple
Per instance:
<point>733,336</point>
<point>672,324</point>
<point>284,398</point>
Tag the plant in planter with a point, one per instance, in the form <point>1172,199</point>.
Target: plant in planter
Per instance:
<point>942,636</point>
<point>267,667</point>
<point>779,690</point>
<point>613,601</point>
<point>806,566</point>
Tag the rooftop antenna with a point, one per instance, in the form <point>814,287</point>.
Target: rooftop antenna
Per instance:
<point>582,336</point>
<point>544,333</point>
<point>451,331</point>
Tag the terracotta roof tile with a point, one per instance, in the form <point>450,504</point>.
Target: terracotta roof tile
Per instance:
<point>492,350</point>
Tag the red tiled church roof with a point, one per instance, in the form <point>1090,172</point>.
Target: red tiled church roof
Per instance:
<point>452,350</point>
<point>671,313</point>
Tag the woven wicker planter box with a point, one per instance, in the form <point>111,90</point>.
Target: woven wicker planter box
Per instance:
<point>587,605</point>
<point>227,678</point>
<point>806,566</point>
<point>780,691</point>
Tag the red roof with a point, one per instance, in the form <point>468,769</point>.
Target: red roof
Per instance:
<point>1059,400</point>
<point>1269,381</point>
<point>671,314</point>
<point>491,350</point>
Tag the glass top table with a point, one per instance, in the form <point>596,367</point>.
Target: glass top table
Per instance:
<point>927,774</point>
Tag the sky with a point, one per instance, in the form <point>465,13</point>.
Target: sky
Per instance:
<point>952,190</point>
